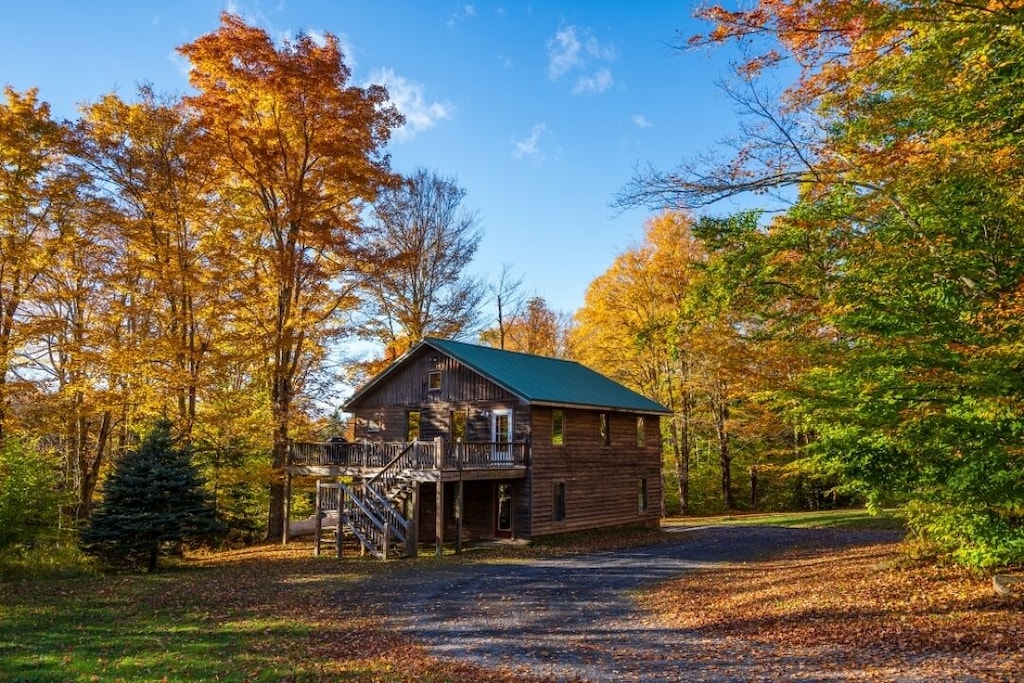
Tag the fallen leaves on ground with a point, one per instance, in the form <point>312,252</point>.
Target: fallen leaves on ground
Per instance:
<point>865,608</point>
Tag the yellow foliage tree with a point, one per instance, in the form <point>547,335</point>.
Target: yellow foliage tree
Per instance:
<point>300,150</point>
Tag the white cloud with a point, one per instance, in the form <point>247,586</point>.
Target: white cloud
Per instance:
<point>578,52</point>
<point>408,97</point>
<point>461,14</point>
<point>595,83</point>
<point>563,52</point>
<point>641,121</point>
<point>530,146</point>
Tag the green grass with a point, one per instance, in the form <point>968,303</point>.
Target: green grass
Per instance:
<point>260,614</point>
<point>857,519</point>
<point>239,618</point>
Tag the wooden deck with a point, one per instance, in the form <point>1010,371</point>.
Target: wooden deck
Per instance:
<point>436,460</point>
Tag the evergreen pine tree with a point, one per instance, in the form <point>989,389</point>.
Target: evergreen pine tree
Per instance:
<point>153,499</point>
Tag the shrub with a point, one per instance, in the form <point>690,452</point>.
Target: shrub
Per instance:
<point>29,499</point>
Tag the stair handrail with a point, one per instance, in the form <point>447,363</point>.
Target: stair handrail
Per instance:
<point>385,473</point>
<point>388,513</point>
<point>377,535</point>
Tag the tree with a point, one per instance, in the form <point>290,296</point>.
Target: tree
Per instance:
<point>149,163</point>
<point>153,499</point>
<point>508,300</point>
<point>301,155</point>
<point>900,140</point>
<point>535,329</point>
<point>36,189</point>
<point>631,328</point>
<point>425,238</point>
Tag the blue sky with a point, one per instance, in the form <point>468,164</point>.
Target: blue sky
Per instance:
<point>540,111</point>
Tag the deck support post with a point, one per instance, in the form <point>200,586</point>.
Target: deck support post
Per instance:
<point>411,540</point>
<point>458,518</point>
<point>339,531</point>
<point>439,518</point>
<point>318,523</point>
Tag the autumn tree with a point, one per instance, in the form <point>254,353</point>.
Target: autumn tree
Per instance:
<point>631,328</point>
<point>899,141</point>
<point>77,338</point>
<point>37,189</point>
<point>148,161</point>
<point>425,237</point>
<point>535,329</point>
<point>301,154</point>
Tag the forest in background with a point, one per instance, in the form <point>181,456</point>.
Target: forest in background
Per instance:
<point>200,259</point>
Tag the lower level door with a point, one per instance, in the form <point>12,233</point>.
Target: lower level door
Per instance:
<point>503,511</point>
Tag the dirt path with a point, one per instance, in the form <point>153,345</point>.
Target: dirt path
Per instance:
<point>573,617</point>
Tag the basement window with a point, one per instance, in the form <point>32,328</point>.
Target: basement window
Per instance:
<point>558,502</point>
<point>641,494</point>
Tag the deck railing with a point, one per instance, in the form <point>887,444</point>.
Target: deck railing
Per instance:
<point>437,455</point>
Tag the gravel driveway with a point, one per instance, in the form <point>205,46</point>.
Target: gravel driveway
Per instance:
<point>571,618</point>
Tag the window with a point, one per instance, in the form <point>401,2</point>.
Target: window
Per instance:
<point>641,493</point>
<point>606,439</point>
<point>557,426</point>
<point>558,502</point>
<point>641,432</point>
<point>434,381</point>
<point>457,421</point>
<point>412,425</point>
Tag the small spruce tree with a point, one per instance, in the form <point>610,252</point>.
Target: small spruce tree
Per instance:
<point>153,500</point>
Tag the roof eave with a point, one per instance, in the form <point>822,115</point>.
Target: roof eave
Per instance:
<point>590,406</point>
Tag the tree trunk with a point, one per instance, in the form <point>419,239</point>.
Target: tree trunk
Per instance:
<point>753,487</point>
<point>724,456</point>
<point>683,455</point>
<point>275,518</point>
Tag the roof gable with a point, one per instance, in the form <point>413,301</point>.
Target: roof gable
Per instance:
<point>535,379</point>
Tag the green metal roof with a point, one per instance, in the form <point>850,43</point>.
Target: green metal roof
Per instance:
<point>538,379</point>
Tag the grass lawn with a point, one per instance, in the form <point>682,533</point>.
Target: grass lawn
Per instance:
<point>821,519</point>
<point>263,614</point>
<point>279,614</point>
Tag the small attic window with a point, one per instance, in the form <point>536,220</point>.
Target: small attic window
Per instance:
<point>434,381</point>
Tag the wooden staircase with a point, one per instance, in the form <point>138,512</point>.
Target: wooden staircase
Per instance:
<point>371,510</point>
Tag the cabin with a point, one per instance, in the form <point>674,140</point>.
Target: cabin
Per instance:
<point>455,442</point>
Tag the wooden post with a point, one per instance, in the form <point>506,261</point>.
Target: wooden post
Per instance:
<point>458,518</point>
<point>318,523</point>
<point>439,454</point>
<point>439,518</point>
<point>339,532</point>
<point>412,540</point>
<point>386,550</point>
<point>287,496</point>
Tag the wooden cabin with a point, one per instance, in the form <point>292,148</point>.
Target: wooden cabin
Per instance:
<point>456,442</point>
